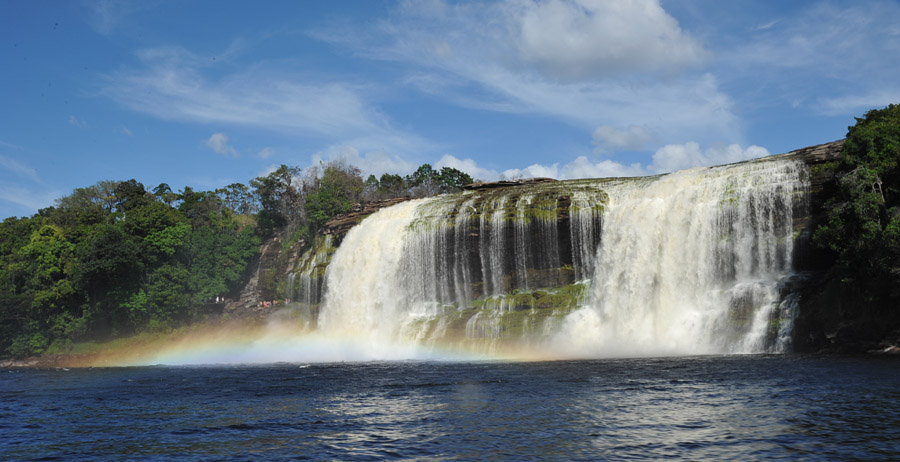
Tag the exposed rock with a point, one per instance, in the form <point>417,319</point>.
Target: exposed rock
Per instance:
<point>341,224</point>
<point>505,183</point>
<point>262,281</point>
<point>819,153</point>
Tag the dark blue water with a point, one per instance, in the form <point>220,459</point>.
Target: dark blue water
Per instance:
<point>707,408</point>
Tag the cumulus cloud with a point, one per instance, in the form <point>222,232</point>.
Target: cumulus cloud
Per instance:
<point>468,166</point>
<point>674,157</point>
<point>492,56</point>
<point>265,153</point>
<point>80,123</point>
<point>633,138</point>
<point>219,143</point>
<point>532,171</point>
<point>581,167</point>
<point>596,38</point>
<point>667,159</point>
<point>371,163</point>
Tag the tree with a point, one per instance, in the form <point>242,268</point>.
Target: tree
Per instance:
<point>130,195</point>
<point>238,198</point>
<point>862,230</point>
<point>453,179</point>
<point>280,198</point>
<point>425,181</point>
<point>424,174</point>
<point>339,187</point>
<point>48,260</point>
<point>164,193</point>
<point>370,188</point>
<point>391,185</point>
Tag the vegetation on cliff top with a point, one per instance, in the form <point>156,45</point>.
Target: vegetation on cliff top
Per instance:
<point>862,228</point>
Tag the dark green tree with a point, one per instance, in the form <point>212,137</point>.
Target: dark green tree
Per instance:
<point>453,179</point>
<point>333,193</point>
<point>862,230</point>
<point>280,199</point>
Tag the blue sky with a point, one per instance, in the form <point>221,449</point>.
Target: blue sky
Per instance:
<point>207,93</point>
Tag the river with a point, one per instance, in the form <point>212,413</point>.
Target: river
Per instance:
<point>743,407</point>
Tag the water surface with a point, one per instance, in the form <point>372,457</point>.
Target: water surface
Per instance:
<point>713,408</point>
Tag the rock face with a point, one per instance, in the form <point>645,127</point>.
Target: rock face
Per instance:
<point>833,317</point>
<point>270,277</point>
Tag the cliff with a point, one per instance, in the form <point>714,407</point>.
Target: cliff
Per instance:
<point>533,221</point>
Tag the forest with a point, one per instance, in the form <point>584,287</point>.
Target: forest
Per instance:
<point>115,259</point>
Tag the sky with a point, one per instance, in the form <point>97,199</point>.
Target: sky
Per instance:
<point>209,93</point>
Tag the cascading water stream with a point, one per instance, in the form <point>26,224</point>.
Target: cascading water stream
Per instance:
<point>690,263</point>
<point>686,263</point>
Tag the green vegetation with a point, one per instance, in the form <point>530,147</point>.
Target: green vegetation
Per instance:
<point>862,228</point>
<point>115,259</point>
<point>424,182</point>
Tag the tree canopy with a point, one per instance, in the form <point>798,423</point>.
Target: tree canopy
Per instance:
<point>862,229</point>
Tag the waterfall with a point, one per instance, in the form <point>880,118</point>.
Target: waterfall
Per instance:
<point>686,263</point>
<point>305,285</point>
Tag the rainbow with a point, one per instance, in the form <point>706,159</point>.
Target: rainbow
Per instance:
<point>283,343</point>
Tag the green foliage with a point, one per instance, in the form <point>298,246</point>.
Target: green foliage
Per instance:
<point>113,259</point>
<point>279,197</point>
<point>333,193</point>
<point>862,230</point>
<point>390,185</point>
<point>238,198</point>
<point>25,345</point>
<point>453,179</point>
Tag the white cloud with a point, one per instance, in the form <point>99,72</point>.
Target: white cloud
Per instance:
<point>597,38</point>
<point>674,157</point>
<point>18,169</point>
<point>481,56</point>
<point>80,123</point>
<point>633,138</point>
<point>126,131</point>
<point>532,171</point>
<point>173,84</point>
<point>767,25</point>
<point>219,143</point>
<point>468,166</point>
<point>667,159</point>
<point>265,153</point>
<point>371,163</point>
<point>581,167</point>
